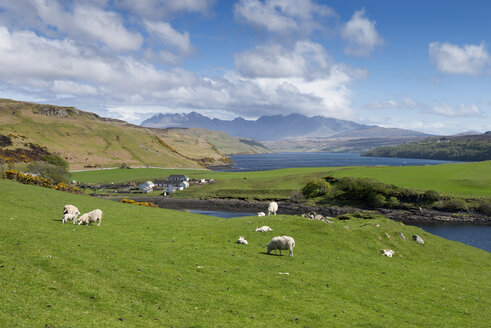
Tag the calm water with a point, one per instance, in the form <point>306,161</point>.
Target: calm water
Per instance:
<point>477,236</point>
<point>264,162</point>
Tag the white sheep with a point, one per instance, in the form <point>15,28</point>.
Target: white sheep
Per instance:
<point>69,217</point>
<point>272,208</point>
<point>241,240</point>
<point>263,229</point>
<point>281,243</point>
<point>93,216</point>
<point>261,214</point>
<point>70,209</point>
<point>387,252</point>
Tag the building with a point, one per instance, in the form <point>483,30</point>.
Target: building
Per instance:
<point>177,177</point>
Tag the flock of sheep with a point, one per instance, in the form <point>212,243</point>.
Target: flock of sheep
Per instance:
<point>277,243</point>
<point>70,213</point>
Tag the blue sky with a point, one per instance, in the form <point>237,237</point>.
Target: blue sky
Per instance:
<point>421,65</point>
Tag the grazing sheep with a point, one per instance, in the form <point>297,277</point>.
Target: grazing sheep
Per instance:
<point>70,209</point>
<point>281,243</point>
<point>263,229</point>
<point>261,214</point>
<point>387,252</point>
<point>94,216</point>
<point>69,217</point>
<point>241,240</point>
<point>272,208</point>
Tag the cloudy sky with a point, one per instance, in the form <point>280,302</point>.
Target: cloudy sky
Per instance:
<point>415,64</point>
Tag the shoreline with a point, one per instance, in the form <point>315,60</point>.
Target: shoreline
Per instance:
<point>236,205</point>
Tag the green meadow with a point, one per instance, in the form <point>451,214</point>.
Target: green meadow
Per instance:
<point>467,179</point>
<point>148,267</point>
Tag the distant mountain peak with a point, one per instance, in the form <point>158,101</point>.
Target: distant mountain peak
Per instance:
<point>269,127</point>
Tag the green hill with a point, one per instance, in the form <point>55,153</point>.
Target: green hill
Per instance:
<point>453,148</point>
<point>152,268</point>
<point>86,140</point>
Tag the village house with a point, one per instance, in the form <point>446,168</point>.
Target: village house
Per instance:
<point>177,177</point>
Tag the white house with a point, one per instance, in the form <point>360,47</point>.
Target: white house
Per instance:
<point>184,184</point>
<point>146,187</point>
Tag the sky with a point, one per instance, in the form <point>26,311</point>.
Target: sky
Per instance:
<point>413,64</point>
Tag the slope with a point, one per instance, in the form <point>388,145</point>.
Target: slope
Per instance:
<point>153,267</point>
<point>87,140</point>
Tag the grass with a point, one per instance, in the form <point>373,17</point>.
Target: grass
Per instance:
<point>469,179</point>
<point>159,268</point>
<point>465,179</point>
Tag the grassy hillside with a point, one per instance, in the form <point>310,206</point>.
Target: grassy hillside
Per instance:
<point>453,148</point>
<point>85,139</point>
<point>224,142</point>
<point>153,267</point>
<point>469,179</point>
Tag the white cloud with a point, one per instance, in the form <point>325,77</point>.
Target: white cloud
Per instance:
<point>361,35</point>
<point>306,59</point>
<point>457,111</point>
<point>466,60</point>
<point>89,22</point>
<point>73,88</point>
<point>169,36</point>
<point>62,67</point>
<point>404,103</point>
<point>282,16</point>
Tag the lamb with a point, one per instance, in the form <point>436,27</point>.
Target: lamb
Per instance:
<point>241,240</point>
<point>69,217</point>
<point>272,208</point>
<point>387,252</point>
<point>261,214</point>
<point>281,243</point>
<point>263,229</point>
<point>93,216</point>
<point>70,212</point>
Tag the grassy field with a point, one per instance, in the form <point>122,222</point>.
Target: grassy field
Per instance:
<point>466,179</point>
<point>146,267</point>
<point>469,179</point>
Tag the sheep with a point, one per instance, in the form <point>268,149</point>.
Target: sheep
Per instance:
<point>241,240</point>
<point>261,214</point>
<point>70,209</point>
<point>263,229</point>
<point>69,217</point>
<point>93,216</point>
<point>387,252</point>
<point>272,208</point>
<point>283,242</point>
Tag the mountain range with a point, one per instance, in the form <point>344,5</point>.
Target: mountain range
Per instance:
<point>294,131</point>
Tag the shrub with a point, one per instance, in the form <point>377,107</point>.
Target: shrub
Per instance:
<point>316,188</point>
<point>375,200</point>
<point>454,205</point>
<point>431,196</point>
<point>56,173</point>
<point>131,201</point>
<point>296,196</point>
<point>55,160</point>
<point>485,207</point>
<point>393,202</point>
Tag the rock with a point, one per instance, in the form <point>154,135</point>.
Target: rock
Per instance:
<point>318,217</point>
<point>418,239</point>
<point>402,236</point>
<point>387,235</point>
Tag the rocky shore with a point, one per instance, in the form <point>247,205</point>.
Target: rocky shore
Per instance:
<point>233,205</point>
